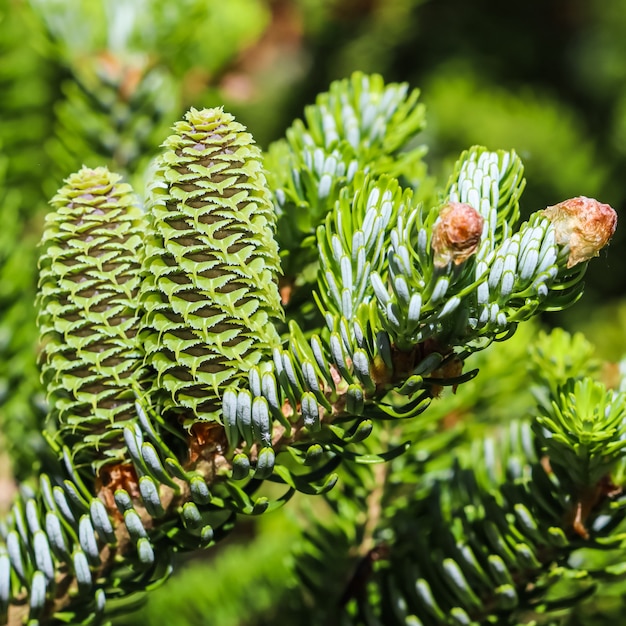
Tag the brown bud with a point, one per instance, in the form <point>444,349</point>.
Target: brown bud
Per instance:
<point>584,224</point>
<point>456,233</point>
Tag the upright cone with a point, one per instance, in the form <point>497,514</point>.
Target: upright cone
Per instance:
<point>210,291</point>
<point>88,294</point>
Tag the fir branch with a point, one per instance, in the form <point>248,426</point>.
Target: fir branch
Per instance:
<point>490,543</point>
<point>346,131</point>
<point>229,404</point>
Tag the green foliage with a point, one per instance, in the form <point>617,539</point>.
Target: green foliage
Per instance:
<point>422,542</point>
<point>106,89</point>
<point>183,35</point>
<point>225,417</point>
<point>343,134</point>
<point>564,356</point>
<point>25,118</point>
<point>526,526</point>
<point>22,408</point>
<point>25,83</point>
<point>583,435</point>
<point>479,545</point>
<point>122,59</point>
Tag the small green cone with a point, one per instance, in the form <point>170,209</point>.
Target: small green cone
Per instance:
<point>88,292</point>
<point>210,290</point>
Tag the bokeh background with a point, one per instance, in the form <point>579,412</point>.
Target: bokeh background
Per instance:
<point>99,82</point>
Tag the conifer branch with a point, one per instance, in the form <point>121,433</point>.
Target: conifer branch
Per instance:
<point>173,395</point>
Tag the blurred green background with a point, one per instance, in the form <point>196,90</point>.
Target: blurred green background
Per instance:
<point>99,82</point>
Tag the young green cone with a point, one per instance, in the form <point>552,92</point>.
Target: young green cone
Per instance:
<point>210,291</point>
<point>88,292</point>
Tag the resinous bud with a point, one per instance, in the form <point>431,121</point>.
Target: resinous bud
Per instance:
<point>583,224</point>
<point>456,233</point>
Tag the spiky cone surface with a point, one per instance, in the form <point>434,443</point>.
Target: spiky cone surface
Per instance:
<point>210,289</point>
<point>88,292</point>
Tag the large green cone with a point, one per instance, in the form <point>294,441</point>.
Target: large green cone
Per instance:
<point>88,293</point>
<point>210,289</point>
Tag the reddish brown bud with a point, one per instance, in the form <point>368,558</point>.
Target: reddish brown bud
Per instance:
<point>456,233</point>
<point>584,224</point>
